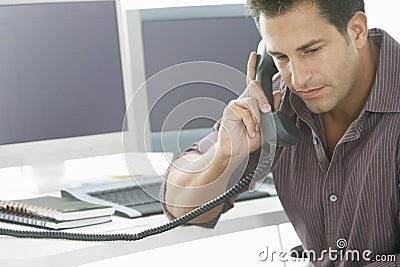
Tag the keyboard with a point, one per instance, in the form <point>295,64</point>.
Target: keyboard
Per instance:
<point>133,200</point>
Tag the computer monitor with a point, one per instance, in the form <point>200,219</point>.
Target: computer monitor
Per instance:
<point>65,82</point>
<point>193,41</point>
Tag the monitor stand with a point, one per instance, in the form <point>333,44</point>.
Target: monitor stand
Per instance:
<point>46,177</point>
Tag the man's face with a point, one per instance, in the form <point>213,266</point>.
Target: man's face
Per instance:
<point>314,59</point>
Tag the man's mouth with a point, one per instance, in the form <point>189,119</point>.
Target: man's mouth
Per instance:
<point>310,93</point>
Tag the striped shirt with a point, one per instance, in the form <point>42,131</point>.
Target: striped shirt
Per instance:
<point>351,203</point>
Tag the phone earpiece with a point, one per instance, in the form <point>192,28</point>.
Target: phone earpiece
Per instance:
<point>286,131</point>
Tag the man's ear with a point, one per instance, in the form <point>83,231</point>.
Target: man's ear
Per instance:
<point>357,29</point>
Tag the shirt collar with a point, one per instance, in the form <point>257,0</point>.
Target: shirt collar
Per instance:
<point>385,92</point>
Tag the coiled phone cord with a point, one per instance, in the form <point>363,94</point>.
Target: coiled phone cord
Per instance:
<point>237,188</point>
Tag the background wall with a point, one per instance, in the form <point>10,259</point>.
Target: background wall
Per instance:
<point>381,13</point>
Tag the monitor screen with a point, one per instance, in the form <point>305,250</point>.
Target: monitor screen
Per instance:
<point>65,81</point>
<point>222,34</point>
<point>60,71</point>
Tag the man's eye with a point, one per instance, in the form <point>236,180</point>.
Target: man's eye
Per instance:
<point>312,51</point>
<point>282,58</point>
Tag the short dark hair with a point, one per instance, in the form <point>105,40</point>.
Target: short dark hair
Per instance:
<point>336,12</point>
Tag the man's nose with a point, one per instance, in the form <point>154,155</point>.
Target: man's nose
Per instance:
<point>300,74</point>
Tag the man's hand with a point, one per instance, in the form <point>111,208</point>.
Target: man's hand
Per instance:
<point>196,178</point>
<point>240,131</point>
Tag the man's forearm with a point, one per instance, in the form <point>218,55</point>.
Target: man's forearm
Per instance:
<point>195,179</point>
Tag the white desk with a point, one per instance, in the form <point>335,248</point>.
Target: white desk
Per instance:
<point>29,252</point>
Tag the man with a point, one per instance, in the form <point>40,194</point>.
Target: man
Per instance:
<point>340,83</point>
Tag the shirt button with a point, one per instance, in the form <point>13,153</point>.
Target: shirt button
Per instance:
<point>315,140</point>
<point>333,198</point>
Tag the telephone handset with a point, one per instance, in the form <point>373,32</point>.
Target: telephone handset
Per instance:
<point>286,131</point>
<point>277,130</point>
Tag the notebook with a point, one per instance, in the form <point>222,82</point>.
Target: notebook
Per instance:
<point>59,209</point>
<point>47,223</point>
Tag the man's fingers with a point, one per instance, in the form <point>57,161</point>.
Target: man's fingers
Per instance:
<point>245,111</point>
<point>254,90</point>
<point>277,95</point>
<point>250,103</point>
<point>251,67</point>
